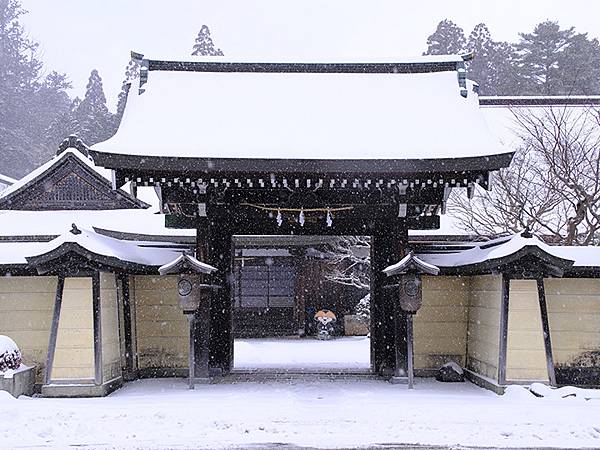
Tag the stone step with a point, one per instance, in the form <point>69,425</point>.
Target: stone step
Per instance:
<point>261,376</point>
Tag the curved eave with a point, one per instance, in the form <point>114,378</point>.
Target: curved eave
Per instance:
<point>496,265</point>
<point>137,163</point>
<point>51,260</point>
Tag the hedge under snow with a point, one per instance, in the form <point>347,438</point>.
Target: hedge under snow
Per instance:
<point>10,355</point>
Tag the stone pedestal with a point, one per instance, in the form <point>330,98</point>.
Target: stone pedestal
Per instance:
<point>20,382</point>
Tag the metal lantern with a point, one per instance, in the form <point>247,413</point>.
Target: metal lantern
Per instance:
<point>194,292</point>
<point>410,298</point>
<point>411,292</point>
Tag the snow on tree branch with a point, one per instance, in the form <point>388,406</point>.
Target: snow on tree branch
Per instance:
<point>349,260</point>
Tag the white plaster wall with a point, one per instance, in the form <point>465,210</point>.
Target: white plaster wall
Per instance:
<point>162,330</point>
<point>483,331</point>
<point>440,326</point>
<point>26,309</point>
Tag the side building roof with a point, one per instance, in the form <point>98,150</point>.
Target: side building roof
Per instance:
<point>69,181</point>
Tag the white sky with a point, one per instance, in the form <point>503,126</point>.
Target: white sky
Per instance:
<point>77,36</point>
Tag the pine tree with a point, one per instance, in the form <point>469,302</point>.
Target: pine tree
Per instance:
<point>204,45</point>
<point>448,39</point>
<point>541,53</point>
<point>63,125</point>
<point>493,64</point>
<point>579,67</point>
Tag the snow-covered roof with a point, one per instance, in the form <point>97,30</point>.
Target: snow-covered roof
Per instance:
<point>184,262</point>
<point>53,223</point>
<point>329,115</point>
<point>411,262</point>
<point>498,250</point>
<point>90,244</point>
<point>38,172</point>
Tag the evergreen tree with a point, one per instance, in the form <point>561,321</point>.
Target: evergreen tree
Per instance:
<point>493,64</point>
<point>29,101</point>
<point>544,59</point>
<point>448,39</point>
<point>96,122</point>
<point>579,67</point>
<point>204,45</point>
<point>63,125</point>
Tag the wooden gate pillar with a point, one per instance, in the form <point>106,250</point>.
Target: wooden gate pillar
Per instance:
<point>214,246</point>
<point>389,352</point>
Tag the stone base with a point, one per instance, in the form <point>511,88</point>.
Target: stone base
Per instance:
<point>66,389</point>
<point>398,380</point>
<point>484,382</point>
<point>22,382</point>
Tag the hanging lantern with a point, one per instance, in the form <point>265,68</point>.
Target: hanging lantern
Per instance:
<point>301,218</point>
<point>279,218</point>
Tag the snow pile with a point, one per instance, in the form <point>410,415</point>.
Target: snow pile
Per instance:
<point>542,390</point>
<point>538,391</point>
<point>10,356</point>
<point>5,397</point>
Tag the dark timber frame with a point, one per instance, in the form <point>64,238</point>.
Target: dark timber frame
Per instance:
<point>129,368</point>
<point>503,344</point>
<point>60,285</point>
<point>546,331</point>
<point>97,323</point>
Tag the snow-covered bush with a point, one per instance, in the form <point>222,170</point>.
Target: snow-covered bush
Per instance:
<point>10,355</point>
<point>363,309</point>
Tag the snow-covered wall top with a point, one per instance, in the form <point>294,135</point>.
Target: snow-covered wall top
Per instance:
<point>509,117</point>
<point>322,116</point>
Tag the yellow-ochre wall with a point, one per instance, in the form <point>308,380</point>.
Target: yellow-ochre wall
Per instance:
<point>483,331</point>
<point>74,355</point>
<point>440,326</point>
<point>574,317</point>
<point>26,308</point>
<point>161,328</point>
<point>525,352</point>
<point>111,352</point>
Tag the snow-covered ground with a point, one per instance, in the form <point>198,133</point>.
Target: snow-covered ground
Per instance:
<point>305,411</point>
<point>306,354</point>
<point>163,413</point>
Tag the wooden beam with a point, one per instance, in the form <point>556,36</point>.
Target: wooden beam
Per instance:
<point>60,286</point>
<point>123,279</point>
<point>410,352</point>
<point>192,349</point>
<point>97,323</point>
<point>214,246</point>
<point>388,322</point>
<point>546,331</point>
<point>202,332</point>
<point>502,345</point>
